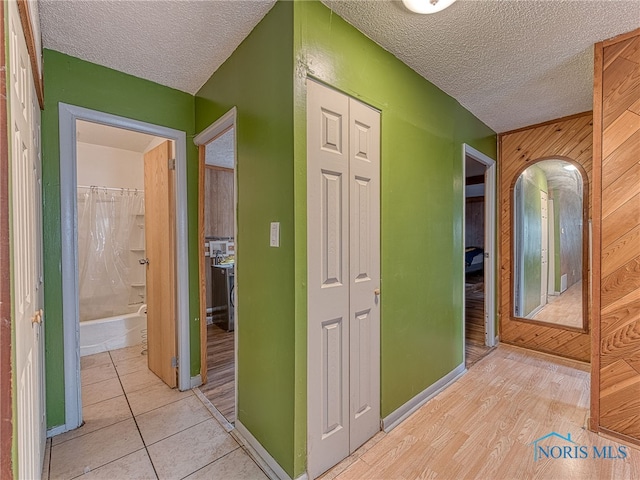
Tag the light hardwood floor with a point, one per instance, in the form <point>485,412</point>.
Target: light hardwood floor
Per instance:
<point>483,427</point>
<point>220,386</point>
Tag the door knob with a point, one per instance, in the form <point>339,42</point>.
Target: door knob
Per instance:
<point>37,317</point>
<point>377,291</point>
<point>143,261</point>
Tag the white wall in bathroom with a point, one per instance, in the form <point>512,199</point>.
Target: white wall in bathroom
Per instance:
<point>109,167</point>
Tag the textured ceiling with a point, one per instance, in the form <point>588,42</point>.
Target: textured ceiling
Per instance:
<point>512,63</point>
<point>177,43</point>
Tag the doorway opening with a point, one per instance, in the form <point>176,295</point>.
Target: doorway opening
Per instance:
<point>218,206</point>
<point>123,285</point>
<point>120,212</point>
<point>479,263</point>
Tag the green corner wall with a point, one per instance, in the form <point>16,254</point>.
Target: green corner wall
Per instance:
<point>76,82</point>
<point>258,80</point>
<point>422,201</point>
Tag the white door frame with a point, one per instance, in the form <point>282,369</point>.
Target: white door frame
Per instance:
<point>491,339</point>
<point>68,114</point>
<point>217,128</point>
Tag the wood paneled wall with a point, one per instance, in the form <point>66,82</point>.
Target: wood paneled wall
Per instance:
<point>569,138</point>
<point>218,197</point>
<point>474,219</point>
<point>616,363</point>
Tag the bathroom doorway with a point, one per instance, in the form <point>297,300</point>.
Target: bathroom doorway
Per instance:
<point>123,195</point>
<point>218,267</point>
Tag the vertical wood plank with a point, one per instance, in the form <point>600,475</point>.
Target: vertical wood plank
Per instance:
<point>616,343</point>
<point>596,240</point>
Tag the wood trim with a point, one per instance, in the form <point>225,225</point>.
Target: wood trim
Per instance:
<point>25,19</point>
<point>548,122</point>
<point>596,240</point>
<point>216,167</point>
<point>585,245</point>
<point>201,265</point>
<point>6,393</point>
<point>618,437</point>
<point>620,38</point>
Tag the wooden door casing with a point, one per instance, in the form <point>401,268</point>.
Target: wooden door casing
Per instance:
<point>570,138</point>
<point>615,383</point>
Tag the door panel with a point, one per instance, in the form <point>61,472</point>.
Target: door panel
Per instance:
<point>328,271</point>
<point>26,251</point>
<point>364,254</point>
<point>159,202</point>
<point>343,235</point>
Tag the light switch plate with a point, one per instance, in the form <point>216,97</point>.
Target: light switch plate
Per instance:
<point>275,234</point>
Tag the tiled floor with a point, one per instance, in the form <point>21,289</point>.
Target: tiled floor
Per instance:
<point>138,428</point>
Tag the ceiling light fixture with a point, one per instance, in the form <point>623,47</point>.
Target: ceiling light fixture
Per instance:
<point>427,6</point>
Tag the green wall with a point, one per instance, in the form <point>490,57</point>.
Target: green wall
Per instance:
<point>422,200</point>
<point>76,82</point>
<point>258,80</point>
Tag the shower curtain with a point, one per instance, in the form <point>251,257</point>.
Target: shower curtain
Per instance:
<point>106,224</point>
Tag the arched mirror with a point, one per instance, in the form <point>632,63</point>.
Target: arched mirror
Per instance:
<point>550,245</point>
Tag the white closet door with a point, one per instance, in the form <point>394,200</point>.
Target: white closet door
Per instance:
<point>364,292</point>
<point>26,245</point>
<point>343,251</point>
<point>328,276</point>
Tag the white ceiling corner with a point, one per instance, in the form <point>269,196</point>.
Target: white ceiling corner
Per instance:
<point>512,63</point>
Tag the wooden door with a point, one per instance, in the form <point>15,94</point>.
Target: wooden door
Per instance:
<point>159,203</point>
<point>544,248</point>
<point>343,258</point>
<point>26,248</point>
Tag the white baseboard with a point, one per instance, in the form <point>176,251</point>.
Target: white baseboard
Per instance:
<point>52,432</point>
<point>196,381</point>
<point>263,458</point>
<point>398,416</point>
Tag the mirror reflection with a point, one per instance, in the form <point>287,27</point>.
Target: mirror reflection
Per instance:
<point>548,243</point>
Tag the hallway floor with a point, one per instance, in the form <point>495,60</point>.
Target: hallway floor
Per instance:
<point>137,427</point>
<point>484,425</point>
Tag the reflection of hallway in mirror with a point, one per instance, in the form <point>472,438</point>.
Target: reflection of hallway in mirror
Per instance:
<point>564,309</point>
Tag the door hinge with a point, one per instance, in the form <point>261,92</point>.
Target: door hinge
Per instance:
<point>174,362</point>
<point>172,164</point>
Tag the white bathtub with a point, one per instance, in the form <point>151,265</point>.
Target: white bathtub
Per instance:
<point>111,333</point>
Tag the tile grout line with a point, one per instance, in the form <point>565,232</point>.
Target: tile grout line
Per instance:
<point>135,421</point>
<point>212,462</point>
